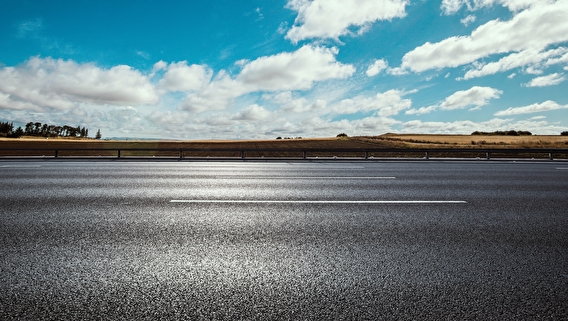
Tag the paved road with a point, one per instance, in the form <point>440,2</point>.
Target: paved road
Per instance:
<point>331,240</point>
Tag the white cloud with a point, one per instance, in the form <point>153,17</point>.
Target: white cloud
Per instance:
<point>421,110</point>
<point>468,126</point>
<point>181,77</point>
<point>534,108</point>
<point>550,80</point>
<point>450,7</point>
<point>297,70</point>
<point>333,18</point>
<point>467,20</point>
<point>536,126</point>
<point>532,58</point>
<point>289,104</point>
<point>534,28</point>
<point>168,118</point>
<point>378,66</point>
<point>252,112</point>
<point>43,83</point>
<point>386,104</point>
<point>474,97</point>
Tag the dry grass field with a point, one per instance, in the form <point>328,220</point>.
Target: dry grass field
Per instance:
<point>473,141</point>
<point>271,148</point>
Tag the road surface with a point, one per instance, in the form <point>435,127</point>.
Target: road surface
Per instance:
<point>414,240</point>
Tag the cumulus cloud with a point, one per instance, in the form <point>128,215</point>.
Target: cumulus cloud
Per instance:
<point>534,28</point>
<point>378,66</point>
<point>252,112</point>
<point>532,58</point>
<point>181,77</point>
<point>386,104</point>
<point>44,83</point>
<point>534,108</point>
<point>550,80</point>
<point>297,70</point>
<point>289,104</point>
<point>474,97</point>
<point>333,18</point>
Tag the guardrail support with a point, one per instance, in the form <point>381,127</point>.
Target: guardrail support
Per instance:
<point>550,156</point>
<point>242,154</point>
<point>180,154</point>
<point>304,154</point>
<point>56,153</point>
<point>366,155</point>
<point>487,155</point>
<point>118,153</point>
<point>427,155</point>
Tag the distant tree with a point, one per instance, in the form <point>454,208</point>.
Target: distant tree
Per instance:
<point>342,135</point>
<point>6,128</point>
<point>37,129</point>
<point>278,137</point>
<point>19,132</point>
<point>29,129</point>
<point>504,133</point>
<point>98,135</point>
<point>42,130</point>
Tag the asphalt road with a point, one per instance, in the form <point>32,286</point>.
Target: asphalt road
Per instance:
<point>424,240</point>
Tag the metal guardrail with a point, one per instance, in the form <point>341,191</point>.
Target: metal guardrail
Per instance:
<point>369,153</point>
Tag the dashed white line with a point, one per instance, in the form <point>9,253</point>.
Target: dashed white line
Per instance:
<point>313,202</point>
<point>320,177</point>
<point>20,166</point>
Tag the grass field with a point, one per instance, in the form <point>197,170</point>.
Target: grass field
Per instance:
<point>472,141</point>
<point>279,148</point>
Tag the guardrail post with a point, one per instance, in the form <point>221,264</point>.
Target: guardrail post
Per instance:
<point>242,154</point>
<point>366,155</point>
<point>180,154</point>
<point>56,153</point>
<point>550,156</point>
<point>118,153</point>
<point>304,154</point>
<point>487,155</point>
<point>427,155</point>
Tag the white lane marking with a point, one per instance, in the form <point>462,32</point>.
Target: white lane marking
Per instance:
<point>301,177</point>
<point>561,167</point>
<point>314,202</point>
<point>20,166</point>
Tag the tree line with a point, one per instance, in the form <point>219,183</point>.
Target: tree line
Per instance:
<point>44,130</point>
<point>504,133</point>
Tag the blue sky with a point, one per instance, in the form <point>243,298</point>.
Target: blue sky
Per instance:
<point>256,69</point>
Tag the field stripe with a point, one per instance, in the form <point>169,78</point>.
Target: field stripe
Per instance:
<point>313,202</point>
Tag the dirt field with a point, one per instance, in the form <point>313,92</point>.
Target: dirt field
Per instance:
<point>47,147</point>
<point>278,148</point>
